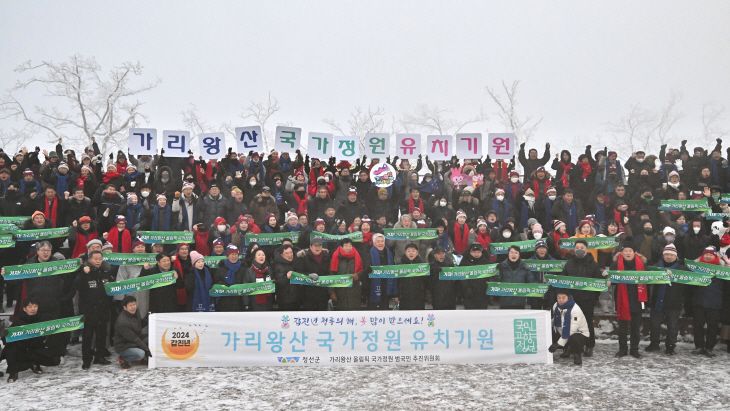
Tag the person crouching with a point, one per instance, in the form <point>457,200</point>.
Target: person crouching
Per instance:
<point>570,329</point>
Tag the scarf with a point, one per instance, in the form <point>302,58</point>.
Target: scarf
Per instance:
<point>556,238</point>
<point>81,181</point>
<point>646,245</point>
<point>572,213</point>
<point>110,175</point>
<point>292,228</point>
<point>81,241</point>
<point>443,241</point>
<point>121,164</point>
<point>201,242</point>
<point>376,290</point>
<point>341,253</point>
<point>412,204</point>
<point>36,186</point>
<point>548,208</point>
<point>502,209</point>
<point>202,302</point>
<point>62,182</point>
<point>269,229</point>
<point>232,269</point>
<point>301,202</point>
<point>133,176</point>
<point>600,213</point>
<point>564,178</point>
<point>586,169</point>
<point>186,221</point>
<point>367,238</point>
<point>277,196</point>
<point>714,170</point>
<point>51,210</point>
<point>126,240</point>
<point>260,272</point>
<point>540,190</point>
<point>565,327</point>
<point>484,239</point>
<point>502,170</point>
<point>285,164</point>
<point>134,214</point>
<point>623,308</point>
<point>461,238</point>
<point>661,289</point>
<point>511,190</point>
<point>156,214</point>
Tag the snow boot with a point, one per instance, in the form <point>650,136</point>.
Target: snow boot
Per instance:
<point>106,354</point>
<point>36,369</point>
<point>698,351</point>
<point>576,359</point>
<point>86,365</point>
<point>652,347</point>
<point>13,377</point>
<point>622,352</point>
<point>101,361</point>
<point>566,353</point>
<point>634,352</point>
<point>709,354</point>
<point>589,352</point>
<point>670,350</point>
<point>124,364</point>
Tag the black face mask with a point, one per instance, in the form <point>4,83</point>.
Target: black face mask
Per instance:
<point>11,192</point>
<point>648,230</point>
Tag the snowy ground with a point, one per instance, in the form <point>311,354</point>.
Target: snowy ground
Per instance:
<point>655,381</point>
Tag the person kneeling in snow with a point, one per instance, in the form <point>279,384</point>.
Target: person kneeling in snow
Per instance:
<point>570,329</point>
<point>129,341</point>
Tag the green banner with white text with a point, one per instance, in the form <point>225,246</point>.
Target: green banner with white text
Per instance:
<point>236,290</point>
<point>42,234</point>
<point>685,205</point>
<point>19,272</point>
<point>140,283</point>
<point>550,266</point>
<point>355,237</point>
<point>718,271</point>
<point>165,237</point>
<point>594,243</point>
<point>44,328</point>
<point>272,238</point>
<point>410,233</point>
<point>468,273</point>
<point>516,289</point>
<point>639,277</point>
<point>576,283</point>
<point>400,271</point>
<point>503,248</point>
<point>129,259</point>
<point>342,281</point>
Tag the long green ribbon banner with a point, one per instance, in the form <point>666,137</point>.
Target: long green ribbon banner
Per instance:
<point>212,262</point>
<point>550,266</point>
<point>685,205</point>
<point>7,241</point>
<point>19,272</point>
<point>639,277</point>
<point>44,328</point>
<point>516,289</point>
<point>410,233</point>
<point>340,281</point>
<point>594,243</point>
<point>356,236</point>
<point>718,271</point>
<point>503,248</point>
<point>18,221</point>
<point>129,259</point>
<point>42,234</point>
<point>271,239</point>
<point>468,273</point>
<point>165,237</point>
<point>716,216</point>
<point>141,283</point>
<point>576,283</point>
<point>8,228</point>
<point>237,290</point>
<point>400,271</point>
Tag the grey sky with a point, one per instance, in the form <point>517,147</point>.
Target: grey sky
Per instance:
<point>581,63</point>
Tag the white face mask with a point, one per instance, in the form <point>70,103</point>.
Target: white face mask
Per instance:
<point>552,198</point>
<point>442,203</point>
<point>507,234</point>
<point>252,183</point>
<point>145,193</point>
<point>500,198</point>
<point>696,230</point>
<point>639,160</point>
<point>221,228</point>
<point>529,198</point>
<point>675,185</point>
<point>514,179</point>
<point>537,235</point>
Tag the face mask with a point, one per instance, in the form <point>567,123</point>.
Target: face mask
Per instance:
<point>537,235</point>
<point>221,228</point>
<point>442,203</point>
<point>669,239</point>
<point>674,185</point>
<point>165,178</point>
<point>580,253</point>
<point>507,234</point>
<point>252,183</point>
<point>552,198</point>
<point>500,198</point>
<point>514,179</point>
<point>229,182</point>
<point>696,230</point>
<point>639,160</point>
<point>529,198</point>
<point>145,193</point>
<point>648,230</point>
<point>11,192</point>
<point>648,197</point>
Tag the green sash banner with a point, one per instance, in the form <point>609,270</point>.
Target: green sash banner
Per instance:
<point>355,237</point>
<point>8,228</point>
<point>7,241</point>
<point>639,277</point>
<point>140,283</point>
<point>503,248</point>
<point>576,283</point>
<point>718,271</point>
<point>129,259</point>
<point>212,262</point>
<point>45,328</point>
<point>594,243</point>
<point>468,273</point>
<point>165,237</point>
<point>42,234</point>
<point>323,281</point>
<point>19,272</point>
<point>237,290</point>
<point>690,278</point>
<point>400,271</point>
<point>271,239</point>
<point>551,266</point>
<point>685,205</point>
<point>724,199</point>
<point>716,216</point>
<point>410,233</point>
<point>516,289</point>
<point>17,221</point>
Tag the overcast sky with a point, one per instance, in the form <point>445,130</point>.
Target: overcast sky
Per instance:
<point>581,64</point>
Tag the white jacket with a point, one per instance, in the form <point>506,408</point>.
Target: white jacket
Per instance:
<point>578,323</point>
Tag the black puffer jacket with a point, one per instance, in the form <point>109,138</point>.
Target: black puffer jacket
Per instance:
<point>286,292</point>
<point>585,267</point>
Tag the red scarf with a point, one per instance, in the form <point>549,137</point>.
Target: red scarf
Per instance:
<point>515,190</point>
<point>411,204</point>
<point>564,177</point>
<point>81,181</point>
<point>113,238</point>
<point>182,295</point>
<point>536,186</point>
<point>353,254</point>
<point>110,175</point>
<point>51,212</point>
<point>502,170</point>
<point>623,311</point>
<point>201,242</point>
<point>302,209</point>
<point>261,273</point>
<point>619,217</point>
<point>461,240</point>
<point>81,241</point>
<point>484,239</point>
<point>586,169</point>
<point>121,165</point>
<point>367,238</point>
<point>724,242</point>
<point>556,238</point>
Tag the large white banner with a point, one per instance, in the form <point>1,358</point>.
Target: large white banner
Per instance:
<point>349,338</point>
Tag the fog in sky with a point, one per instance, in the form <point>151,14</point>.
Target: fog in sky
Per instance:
<point>581,64</point>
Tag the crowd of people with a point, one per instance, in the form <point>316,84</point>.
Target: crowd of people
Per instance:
<point>105,202</point>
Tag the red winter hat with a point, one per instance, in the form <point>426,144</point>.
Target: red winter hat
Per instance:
<point>219,221</point>
<point>231,249</point>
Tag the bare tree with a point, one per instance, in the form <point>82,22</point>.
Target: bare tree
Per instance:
<point>195,124</point>
<point>523,127</point>
<point>712,115</point>
<point>96,107</point>
<point>435,120</point>
<point>261,113</point>
<point>644,129</point>
<point>12,141</point>
<point>362,122</point>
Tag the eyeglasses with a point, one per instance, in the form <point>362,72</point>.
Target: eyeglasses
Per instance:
<point>45,250</point>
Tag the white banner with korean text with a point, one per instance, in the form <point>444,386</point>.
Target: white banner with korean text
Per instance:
<point>349,338</point>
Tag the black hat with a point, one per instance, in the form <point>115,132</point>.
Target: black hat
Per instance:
<point>475,247</point>
<point>439,249</point>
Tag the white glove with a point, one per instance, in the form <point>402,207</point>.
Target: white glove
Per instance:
<point>106,213</point>
<point>313,276</point>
